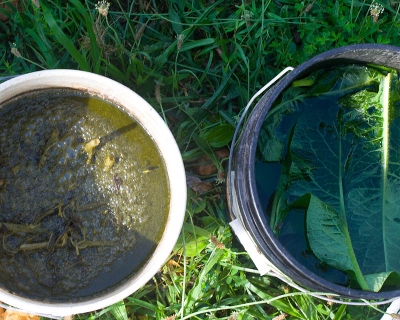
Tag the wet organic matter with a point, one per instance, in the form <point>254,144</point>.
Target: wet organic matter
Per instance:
<point>83,198</point>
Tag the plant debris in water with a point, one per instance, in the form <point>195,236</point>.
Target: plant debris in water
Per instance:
<point>83,196</point>
<point>335,136</point>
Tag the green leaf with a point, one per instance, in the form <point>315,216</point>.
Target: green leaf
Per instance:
<point>242,54</point>
<point>273,134</point>
<point>196,230</point>
<point>341,156</point>
<point>303,83</point>
<point>194,247</point>
<point>279,304</point>
<point>340,312</point>
<point>269,142</point>
<point>344,79</point>
<point>329,238</point>
<point>377,280</point>
<point>176,21</point>
<point>220,135</point>
<point>204,146</point>
<point>142,304</point>
<point>194,243</point>
<point>221,87</point>
<point>196,292</point>
<point>192,154</point>
<point>42,46</point>
<point>163,58</point>
<point>118,310</point>
<point>274,16</point>
<point>280,208</point>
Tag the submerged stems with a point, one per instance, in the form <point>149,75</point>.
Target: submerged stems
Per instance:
<point>20,228</point>
<point>80,245</point>
<point>276,207</point>
<point>277,214</point>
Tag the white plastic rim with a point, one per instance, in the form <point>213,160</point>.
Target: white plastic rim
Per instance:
<point>151,121</point>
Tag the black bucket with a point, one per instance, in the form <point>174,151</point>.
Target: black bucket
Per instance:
<point>243,198</point>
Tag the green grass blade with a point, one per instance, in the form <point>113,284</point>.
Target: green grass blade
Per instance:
<point>341,312</point>
<point>63,39</point>
<point>94,47</point>
<point>192,228</point>
<point>197,43</point>
<point>143,304</point>
<point>221,87</point>
<point>42,46</point>
<point>196,292</point>
<point>279,304</point>
<point>176,24</point>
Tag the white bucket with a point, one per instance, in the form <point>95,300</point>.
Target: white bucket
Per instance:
<point>149,119</point>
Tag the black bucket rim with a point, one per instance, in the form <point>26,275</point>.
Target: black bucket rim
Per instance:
<point>251,211</point>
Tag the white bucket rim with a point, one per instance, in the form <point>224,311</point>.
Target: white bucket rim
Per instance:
<point>151,121</point>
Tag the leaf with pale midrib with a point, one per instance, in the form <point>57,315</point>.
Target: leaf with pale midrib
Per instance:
<point>341,156</point>
<point>338,80</point>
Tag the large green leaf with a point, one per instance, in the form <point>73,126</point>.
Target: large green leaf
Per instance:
<point>220,135</point>
<point>347,157</point>
<point>329,238</point>
<point>341,80</point>
<point>272,137</point>
<point>377,280</point>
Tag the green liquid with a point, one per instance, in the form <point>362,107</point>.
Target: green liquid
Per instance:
<point>46,180</point>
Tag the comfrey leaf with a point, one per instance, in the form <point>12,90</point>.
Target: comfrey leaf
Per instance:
<point>269,144</point>
<point>345,79</point>
<point>273,137</point>
<point>327,235</point>
<point>341,157</point>
<point>377,280</point>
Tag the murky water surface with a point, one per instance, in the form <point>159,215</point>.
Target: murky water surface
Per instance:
<point>83,196</point>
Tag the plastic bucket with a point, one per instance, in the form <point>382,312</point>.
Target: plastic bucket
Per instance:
<point>243,198</point>
<point>161,135</point>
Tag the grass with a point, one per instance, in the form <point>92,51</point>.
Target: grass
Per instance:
<point>198,63</point>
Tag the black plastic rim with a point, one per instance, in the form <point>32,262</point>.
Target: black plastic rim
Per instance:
<point>250,209</point>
